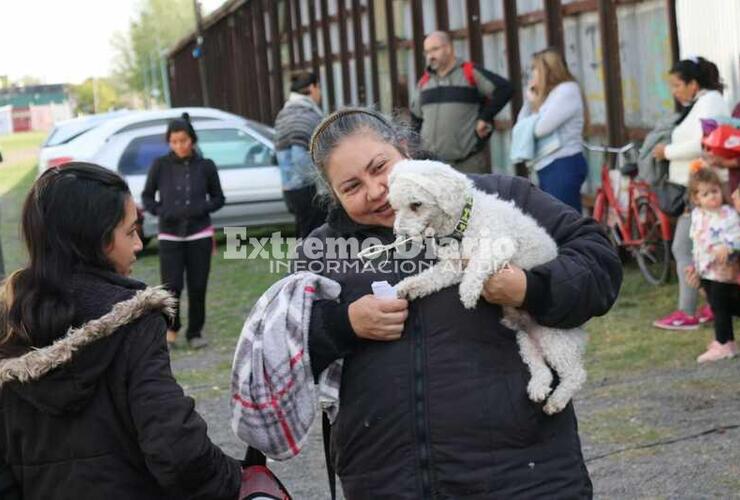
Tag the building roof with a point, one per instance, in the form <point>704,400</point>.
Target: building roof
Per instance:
<point>33,94</point>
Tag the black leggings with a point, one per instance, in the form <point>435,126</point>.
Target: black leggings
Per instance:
<point>724,298</point>
<point>192,259</point>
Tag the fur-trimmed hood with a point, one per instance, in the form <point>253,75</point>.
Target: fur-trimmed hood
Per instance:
<point>61,376</point>
<point>38,362</point>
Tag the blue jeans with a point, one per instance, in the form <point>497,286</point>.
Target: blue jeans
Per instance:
<point>563,179</point>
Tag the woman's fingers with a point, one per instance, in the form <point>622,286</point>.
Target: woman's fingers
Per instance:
<point>393,305</point>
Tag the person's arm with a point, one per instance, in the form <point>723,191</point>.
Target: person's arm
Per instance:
<point>172,436</point>
<point>731,233</point>
<point>525,111</point>
<point>330,334</point>
<point>497,89</point>
<point>417,115</point>
<point>583,281</point>
<point>561,105</point>
<point>150,190</point>
<point>216,197</point>
<point>690,147</point>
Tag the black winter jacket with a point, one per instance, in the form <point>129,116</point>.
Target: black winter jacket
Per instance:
<point>111,422</point>
<point>189,190</point>
<point>443,412</point>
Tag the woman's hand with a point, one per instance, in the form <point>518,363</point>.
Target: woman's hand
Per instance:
<point>721,253</point>
<point>378,319</point>
<point>659,151</point>
<point>507,287</point>
<point>692,277</point>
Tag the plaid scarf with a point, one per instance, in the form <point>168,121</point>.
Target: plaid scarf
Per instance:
<point>273,398</point>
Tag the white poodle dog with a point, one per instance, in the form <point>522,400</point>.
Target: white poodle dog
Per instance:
<point>431,198</point>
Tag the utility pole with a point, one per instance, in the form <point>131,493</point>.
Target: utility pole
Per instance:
<point>199,53</point>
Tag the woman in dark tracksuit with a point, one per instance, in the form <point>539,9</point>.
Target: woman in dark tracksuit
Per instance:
<point>433,400</point>
<point>189,190</point>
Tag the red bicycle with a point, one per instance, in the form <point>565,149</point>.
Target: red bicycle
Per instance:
<point>633,217</point>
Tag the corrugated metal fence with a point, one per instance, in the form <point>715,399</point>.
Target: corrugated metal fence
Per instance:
<point>620,50</point>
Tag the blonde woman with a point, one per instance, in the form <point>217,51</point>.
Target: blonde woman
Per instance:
<point>554,94</point>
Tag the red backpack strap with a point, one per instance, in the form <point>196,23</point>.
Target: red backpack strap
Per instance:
<point>468,68</point>
<point>424,80</point>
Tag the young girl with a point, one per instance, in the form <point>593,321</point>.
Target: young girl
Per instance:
<point>189,191</point>
<point>715,233</point>
<point>88,404</point>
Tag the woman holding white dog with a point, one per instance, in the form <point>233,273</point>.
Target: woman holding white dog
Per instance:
<point>555,96</point>
<point>433,398</point>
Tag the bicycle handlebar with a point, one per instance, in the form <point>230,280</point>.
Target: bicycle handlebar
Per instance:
<point>607,149</point>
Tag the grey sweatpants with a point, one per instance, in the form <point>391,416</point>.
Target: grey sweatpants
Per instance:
<point>682,247</point>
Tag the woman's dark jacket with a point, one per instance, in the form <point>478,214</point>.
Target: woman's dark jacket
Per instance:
<point>111,422</point>
<point>189,190</point>
<point>443,412</point>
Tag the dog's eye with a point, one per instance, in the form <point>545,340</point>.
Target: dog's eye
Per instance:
<point>415,206</point>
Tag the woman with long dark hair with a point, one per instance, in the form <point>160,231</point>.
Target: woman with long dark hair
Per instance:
<point>189,190</point>
<point>88,404</point>
<point>695,84</point>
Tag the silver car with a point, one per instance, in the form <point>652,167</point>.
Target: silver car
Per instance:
<point>243,152</point>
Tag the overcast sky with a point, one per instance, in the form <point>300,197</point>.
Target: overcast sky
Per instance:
<point>63,41</point>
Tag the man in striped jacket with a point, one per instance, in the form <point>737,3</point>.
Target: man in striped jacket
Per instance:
<point>294,125</point>
<point>454,106</point>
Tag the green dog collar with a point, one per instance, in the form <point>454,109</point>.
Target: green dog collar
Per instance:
<point>462,224</point>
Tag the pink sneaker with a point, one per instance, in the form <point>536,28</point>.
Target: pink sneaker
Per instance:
<point>705,314</point>
<point>677,320</point>
<point>718,352</point>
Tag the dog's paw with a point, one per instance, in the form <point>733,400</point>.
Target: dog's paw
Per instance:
<point>538,389</point>
<point>409,289</point>
<point>468,297</point>
<point>554,405</point>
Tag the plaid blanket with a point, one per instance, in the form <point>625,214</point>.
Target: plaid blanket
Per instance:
<point>273,397</point>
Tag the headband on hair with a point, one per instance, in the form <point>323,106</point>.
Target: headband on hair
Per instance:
<point>340,114</point>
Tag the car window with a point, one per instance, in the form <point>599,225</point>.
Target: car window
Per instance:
<point>141,153</point>
<point>158,122</point>
<point>262,129</point>
<point>234,148</point>
<point>63,135</point>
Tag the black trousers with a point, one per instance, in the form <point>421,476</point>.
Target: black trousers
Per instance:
<point>724,298</point>
<point>308,211</point>
<point>192,260</point>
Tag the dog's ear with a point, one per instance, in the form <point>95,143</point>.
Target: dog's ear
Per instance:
<point>446,185</point>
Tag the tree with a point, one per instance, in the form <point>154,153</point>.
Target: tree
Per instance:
<point>96,96</point>
<point>158,26</point>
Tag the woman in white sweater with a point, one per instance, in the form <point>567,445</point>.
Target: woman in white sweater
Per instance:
<point>696,85</point>
<point>554,94</point>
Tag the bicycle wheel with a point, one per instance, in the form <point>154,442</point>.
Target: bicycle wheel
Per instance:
<point>654,255</point>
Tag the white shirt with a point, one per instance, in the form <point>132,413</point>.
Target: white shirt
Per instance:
<point>686,138</point>
<point>562,112</point>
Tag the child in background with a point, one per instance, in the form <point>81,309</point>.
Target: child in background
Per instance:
<point>715,232</point>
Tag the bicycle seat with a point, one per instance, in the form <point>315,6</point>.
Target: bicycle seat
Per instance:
<point>629,169</point>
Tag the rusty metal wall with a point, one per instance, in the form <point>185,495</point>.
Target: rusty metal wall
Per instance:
<point>249,75</point>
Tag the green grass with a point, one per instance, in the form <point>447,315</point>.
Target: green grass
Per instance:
<point>22,140</point>
<point>621,425</point>
<point>624,343</point>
